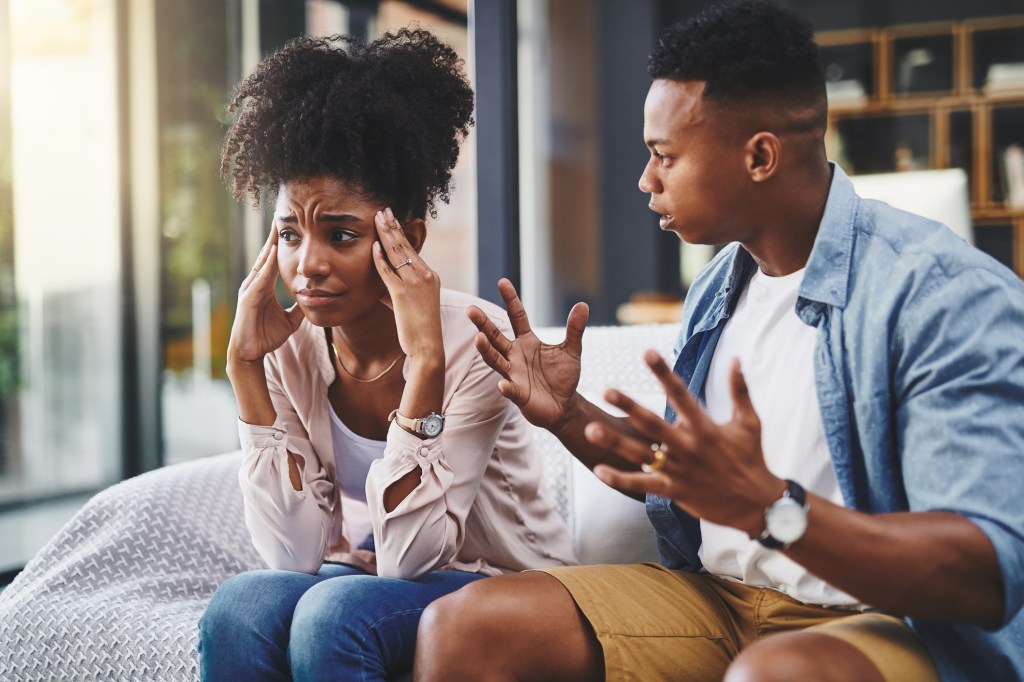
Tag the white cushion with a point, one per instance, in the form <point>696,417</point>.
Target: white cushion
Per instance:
<point>609,527</point>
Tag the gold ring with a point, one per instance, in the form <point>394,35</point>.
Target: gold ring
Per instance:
<point>655,464</point>
<point>255,269</point>
<point>408,261</point>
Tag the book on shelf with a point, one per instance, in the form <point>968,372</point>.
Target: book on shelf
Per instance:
<point>1004,78</point>
<point>848,91</point>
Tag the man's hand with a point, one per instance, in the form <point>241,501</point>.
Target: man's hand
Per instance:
<point>539,378</point>
<point>712,471</point>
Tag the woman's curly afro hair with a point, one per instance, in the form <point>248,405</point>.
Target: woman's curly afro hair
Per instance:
<point>387,117</point>
<point>743,50</point>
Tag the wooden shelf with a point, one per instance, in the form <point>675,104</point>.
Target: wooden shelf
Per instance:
<point>918,95</point>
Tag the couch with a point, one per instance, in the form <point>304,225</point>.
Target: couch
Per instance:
<point>118,592</point>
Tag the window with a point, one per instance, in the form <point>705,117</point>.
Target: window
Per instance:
<point>61,285</point>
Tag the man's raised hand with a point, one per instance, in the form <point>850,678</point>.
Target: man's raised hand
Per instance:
<point>539,378</point>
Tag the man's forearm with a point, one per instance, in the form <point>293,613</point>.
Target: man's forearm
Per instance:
<point>931,565</point>
<point>571,432</point>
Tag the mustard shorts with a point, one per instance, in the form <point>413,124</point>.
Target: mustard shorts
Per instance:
<point>655,623</point>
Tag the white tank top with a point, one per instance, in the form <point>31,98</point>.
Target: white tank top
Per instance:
<point>776,352</point>
<point>353,455</point>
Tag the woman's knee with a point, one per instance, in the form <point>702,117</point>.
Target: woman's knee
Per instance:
<point>251,599</point>
<point>328,610</point>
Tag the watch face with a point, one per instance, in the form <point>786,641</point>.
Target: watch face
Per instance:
<point>432,425</point>
<point>787,521</point>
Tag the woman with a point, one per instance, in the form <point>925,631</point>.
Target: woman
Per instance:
<point>364,406</point>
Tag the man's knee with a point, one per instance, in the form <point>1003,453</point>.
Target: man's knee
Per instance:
<point>801,656</point>
<point>453,615</point>
<point>459,634</point>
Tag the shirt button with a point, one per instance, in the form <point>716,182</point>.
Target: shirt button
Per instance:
<point>277,436</point>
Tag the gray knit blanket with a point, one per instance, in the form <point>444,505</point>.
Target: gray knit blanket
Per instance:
<point>117,594</point>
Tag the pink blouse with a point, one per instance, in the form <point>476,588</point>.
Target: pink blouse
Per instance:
<point>479,506</point>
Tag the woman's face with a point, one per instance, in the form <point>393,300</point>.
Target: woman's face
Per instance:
<point>325,234</point>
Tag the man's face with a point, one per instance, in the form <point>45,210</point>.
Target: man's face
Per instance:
<point>695,176</point>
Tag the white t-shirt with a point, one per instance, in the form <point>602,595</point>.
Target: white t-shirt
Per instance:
<point>776,352</point>
<point>353,455</point>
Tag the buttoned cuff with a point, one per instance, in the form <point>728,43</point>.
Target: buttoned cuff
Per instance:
<point>404,444</point>
<point>256,437</point>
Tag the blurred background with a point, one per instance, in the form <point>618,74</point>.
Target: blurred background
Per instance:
<point>121,250</point>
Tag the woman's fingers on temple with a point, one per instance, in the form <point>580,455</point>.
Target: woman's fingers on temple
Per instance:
<point>381,262</point>
<point>262,256</point>
<point>266,272</point>
<point>392,238</point>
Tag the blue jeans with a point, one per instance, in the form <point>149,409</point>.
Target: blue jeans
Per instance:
<point>340,624</point>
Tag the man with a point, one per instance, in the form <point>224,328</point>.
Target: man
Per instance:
<point>835,487</point>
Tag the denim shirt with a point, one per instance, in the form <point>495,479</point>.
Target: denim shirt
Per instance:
<point>919,369</point>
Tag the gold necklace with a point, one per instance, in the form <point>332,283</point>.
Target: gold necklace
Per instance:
<point>365,381</point>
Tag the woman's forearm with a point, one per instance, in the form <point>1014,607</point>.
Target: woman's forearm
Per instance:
<point>424,393</point>
<point>249,382</point>
<point>424,386</point>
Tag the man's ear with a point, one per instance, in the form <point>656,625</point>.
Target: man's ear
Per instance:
<point>416,232</point>
<point>763,156</point>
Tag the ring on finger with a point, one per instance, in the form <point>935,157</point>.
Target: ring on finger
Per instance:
<point>255,269</point>
<point>407,261</point>
<point>657,463</point>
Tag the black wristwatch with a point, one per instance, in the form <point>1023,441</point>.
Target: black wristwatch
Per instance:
<point>786,519</point>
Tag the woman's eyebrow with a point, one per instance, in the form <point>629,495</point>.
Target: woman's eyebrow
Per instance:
<point>340,217</point>
<point>330,217</point>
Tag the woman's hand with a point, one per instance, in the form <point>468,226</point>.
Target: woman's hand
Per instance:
<point>414,290</point>
<point>261,325</point>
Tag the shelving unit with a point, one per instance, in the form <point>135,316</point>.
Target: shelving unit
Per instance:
<point>937,95</point>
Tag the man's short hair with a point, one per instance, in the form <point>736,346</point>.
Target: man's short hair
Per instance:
<point>750,50</point>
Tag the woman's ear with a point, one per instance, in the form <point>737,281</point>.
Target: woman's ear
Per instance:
<point>416,232</point>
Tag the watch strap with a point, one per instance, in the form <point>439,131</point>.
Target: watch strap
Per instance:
<point>414,425</point>
<point>795,492</point>
<point>410,424</point>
